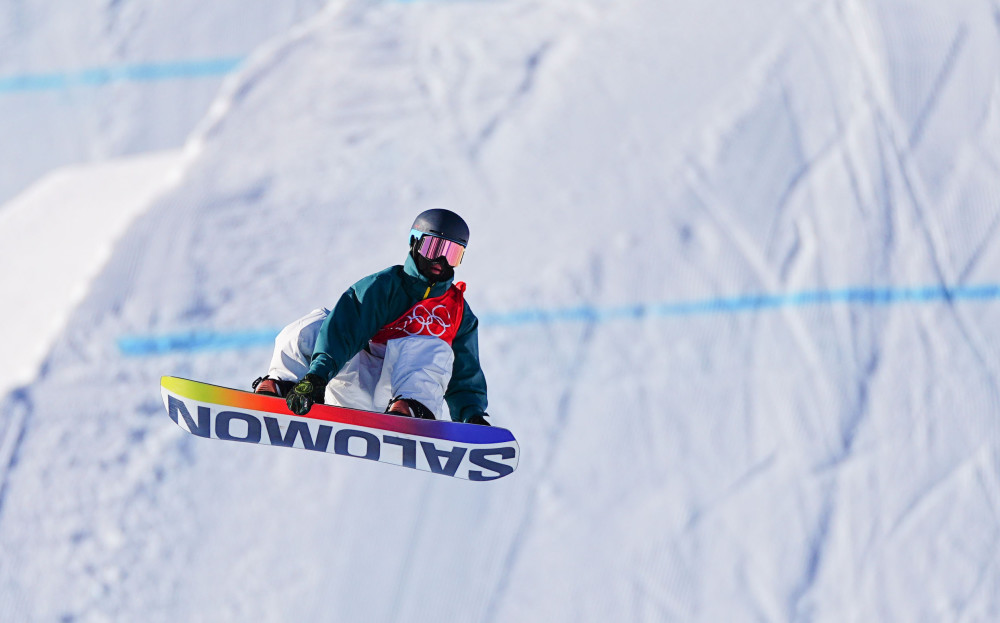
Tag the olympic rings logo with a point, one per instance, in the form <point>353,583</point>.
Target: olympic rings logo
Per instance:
<point>423,322</point>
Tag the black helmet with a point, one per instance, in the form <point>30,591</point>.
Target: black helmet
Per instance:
<point>443,224</point>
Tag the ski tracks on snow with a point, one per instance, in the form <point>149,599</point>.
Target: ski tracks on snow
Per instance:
<point>895,146</point>
<point>899,144</point>
<point>556,429</point>
<point>14,416</point>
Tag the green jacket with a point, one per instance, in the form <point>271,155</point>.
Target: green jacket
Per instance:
<point>379,299</point>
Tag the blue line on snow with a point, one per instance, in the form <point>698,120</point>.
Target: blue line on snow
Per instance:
<point>100,76</point>
<point>137,346</point>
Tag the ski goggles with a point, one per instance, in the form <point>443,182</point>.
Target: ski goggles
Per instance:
<point>432,247</point>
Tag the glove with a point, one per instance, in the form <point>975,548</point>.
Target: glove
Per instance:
<point>479,418</point>
<point>305,394</point>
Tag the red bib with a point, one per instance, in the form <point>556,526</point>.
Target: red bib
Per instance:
<point>437,317</point>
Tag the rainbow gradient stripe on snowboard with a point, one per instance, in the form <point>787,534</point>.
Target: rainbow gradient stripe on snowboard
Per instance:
<point>443,447</point>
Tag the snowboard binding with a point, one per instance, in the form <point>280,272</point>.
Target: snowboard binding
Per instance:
<point>408,407</point>
<point>267,386</point>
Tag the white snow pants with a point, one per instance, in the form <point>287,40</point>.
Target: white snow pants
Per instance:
<point>417,367</point>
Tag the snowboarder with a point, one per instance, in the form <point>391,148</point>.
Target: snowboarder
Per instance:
<point>402,340</point>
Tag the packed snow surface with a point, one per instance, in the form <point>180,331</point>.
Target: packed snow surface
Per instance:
<point>55,237</point>
<point>85,81</point>
<point>737,269</point>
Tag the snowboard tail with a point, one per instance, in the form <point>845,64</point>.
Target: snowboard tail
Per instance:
<point>467,451</point>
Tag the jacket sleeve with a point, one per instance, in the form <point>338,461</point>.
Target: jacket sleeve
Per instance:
<point>361,311</point>
<point>466,394</point>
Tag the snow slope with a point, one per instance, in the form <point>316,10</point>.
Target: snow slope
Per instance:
<point>57,236</point>
<point>89,80</point>
<point>747,335</point>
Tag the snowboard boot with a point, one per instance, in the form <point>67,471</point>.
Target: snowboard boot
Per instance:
<point>272,387</point>
<point>408,407</point>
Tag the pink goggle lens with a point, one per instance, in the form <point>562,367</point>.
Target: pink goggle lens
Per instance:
<point>433,247</point>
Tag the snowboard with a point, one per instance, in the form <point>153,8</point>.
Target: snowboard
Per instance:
<point>468,451</point>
